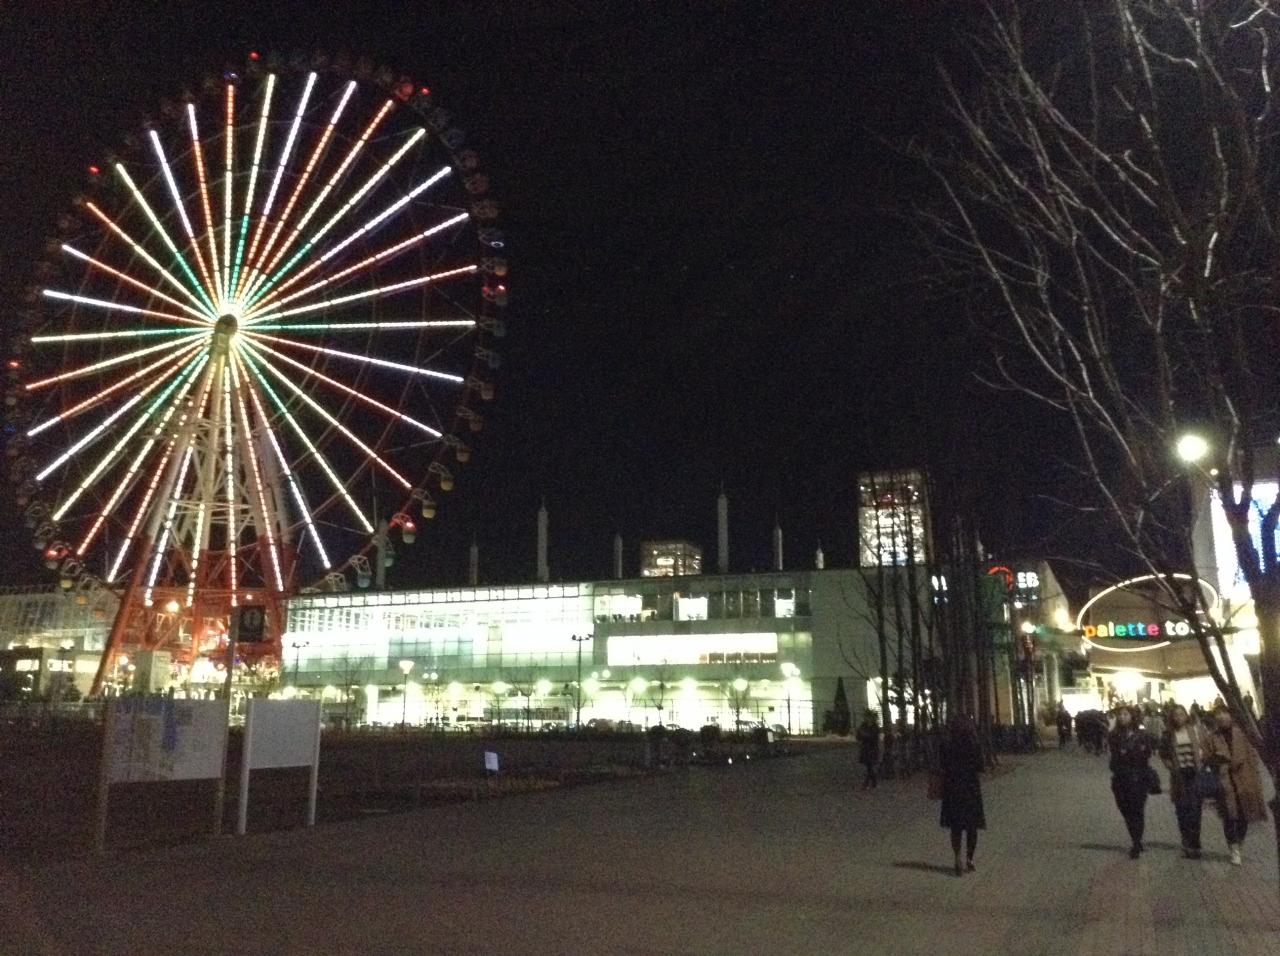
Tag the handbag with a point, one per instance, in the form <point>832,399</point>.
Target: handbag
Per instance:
<point>1153,780</point>
<point>1208,784</point>
<point>933,785</point>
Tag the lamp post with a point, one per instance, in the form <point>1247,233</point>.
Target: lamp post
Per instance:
<point>405,668</point>
<point>297,659</point>
<point>579,639</point>
<point>790,672</point>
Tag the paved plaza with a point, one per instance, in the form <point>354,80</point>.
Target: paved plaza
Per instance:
<point>781,857</point>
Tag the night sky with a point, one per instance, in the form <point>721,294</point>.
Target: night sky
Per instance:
<point>712,278</point>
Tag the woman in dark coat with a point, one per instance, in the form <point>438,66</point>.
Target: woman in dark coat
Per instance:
<point>960,762</point>
<point>1131,774</point>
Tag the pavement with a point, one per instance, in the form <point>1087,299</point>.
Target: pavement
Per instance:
<point>777,857</point>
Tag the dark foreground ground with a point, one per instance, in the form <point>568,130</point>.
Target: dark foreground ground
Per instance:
<point>778,857</point>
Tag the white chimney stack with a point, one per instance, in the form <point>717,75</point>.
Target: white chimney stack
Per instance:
<point>722,532</point>
<point>473,569</point>
<point>617,557</point>
<point>819,559</point>
<point>544,571</point>
<point>777,546</point>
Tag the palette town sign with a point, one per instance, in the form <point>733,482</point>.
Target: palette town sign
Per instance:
<point>1152,634</point>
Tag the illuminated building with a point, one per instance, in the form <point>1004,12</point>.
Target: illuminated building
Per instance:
<point>893,519</point>
<point>669,559</point>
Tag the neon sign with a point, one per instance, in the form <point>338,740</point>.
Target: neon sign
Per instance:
<point>1139,629</point>
<point>1154,635</point>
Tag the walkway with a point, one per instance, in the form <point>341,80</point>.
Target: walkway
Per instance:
<point>774,858</point>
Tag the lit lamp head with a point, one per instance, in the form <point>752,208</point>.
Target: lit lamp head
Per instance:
<point>1028,627</point>
<point>1192,448</point>
<point>406,667</point>
<point>638,685</point>
<point>740,684</point>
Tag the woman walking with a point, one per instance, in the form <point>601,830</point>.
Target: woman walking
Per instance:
<point>869,748</point>
<point>1240,798</point>
<point>1181,749</point>
<point>960,762</point>
<point>1131,774</point>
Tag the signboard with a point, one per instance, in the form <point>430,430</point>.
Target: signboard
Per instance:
<point>490,761</point>
<point>284,733</point>
<point>280,733</point>
<point>159,738</point>
<point>252,623</point>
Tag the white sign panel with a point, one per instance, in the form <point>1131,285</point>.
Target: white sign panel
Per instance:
<point>490,761</point>
<point>159,738</point>
<point>284,733</point>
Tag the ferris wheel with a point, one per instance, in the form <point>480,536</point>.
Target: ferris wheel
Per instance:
<point>258,342</point>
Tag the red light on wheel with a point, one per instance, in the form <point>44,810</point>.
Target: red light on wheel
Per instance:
<point>94,170</point>
<point>253,55</point>
<point>425,91</point>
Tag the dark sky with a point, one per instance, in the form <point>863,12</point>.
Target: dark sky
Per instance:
<point>710,283</point>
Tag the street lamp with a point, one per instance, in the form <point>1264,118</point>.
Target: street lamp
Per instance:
<point>405,668</point>
<point>297,659</point>
<point>792,674</point>
<point>579,639</point>
<point>1192,448</point>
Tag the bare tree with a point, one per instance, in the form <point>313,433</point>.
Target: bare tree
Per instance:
<point>350,673</point>
<point>1113,182</point>
<point>659,691</point>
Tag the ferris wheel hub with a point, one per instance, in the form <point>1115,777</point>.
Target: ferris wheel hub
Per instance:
<point>226,325</point>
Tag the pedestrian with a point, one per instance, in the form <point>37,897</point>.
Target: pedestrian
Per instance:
<point>1181,749</point>
<point>1153,721</point>
<point>869,748</point>
<point>1131,773</point>
<point>1064,725</point>
<point>960,763</point>
<point>1240,799</point>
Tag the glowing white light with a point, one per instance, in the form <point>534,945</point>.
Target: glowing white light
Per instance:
<point>197,150</point>
<point>275,182</point>
<point>201,318</point>
<point>302,181</point>
<point>182,210</point>
<point>122,443</point>
<point>146,256</point>
<point>228,179</point>
<point>1192,448</point>
<point>323,413</point>
<point>354,357</point>
<point>118,307</point>
<point>253,179</point>
<point>98,336</point>
<point>386,409</point>
<point>362,264</point>
<point>298,497</point>
<point>233,532</point>
<point>252,292</point>
<point>366,326</point>
<point>371,293</point>
<point>107,363</point>
<point>337,217</point>
<point>298,430</point>
<point>267,517</point>
<point>163,234</point>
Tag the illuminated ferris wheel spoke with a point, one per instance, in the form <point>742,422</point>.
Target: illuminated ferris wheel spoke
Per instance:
<point>354,357</point>
<point>97,398</point>
<point>228,179</point>
<point>365,326</point>
<point>350,158</point>
<point>316,153</point>
<point>73,337</point>
<point>346,207</point>
<point>107,363</point>
<point>164,235</point>
<point>148,258</point>
<point>377,257</point>
<point>324,413</point>
<point>201,318</point>
<point>123,307</point>
<point>178,204</point>
<point>253,182</point>
<point>250,270</point>
<point>197,150</point>
<point>135,466</point>
<point>372,402</point>
<point>92,435</point>
<point>394,287</point>
<point>265,517</point>
<point>339,488</point>
<point>113,454</point>
<point>299,498</point>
